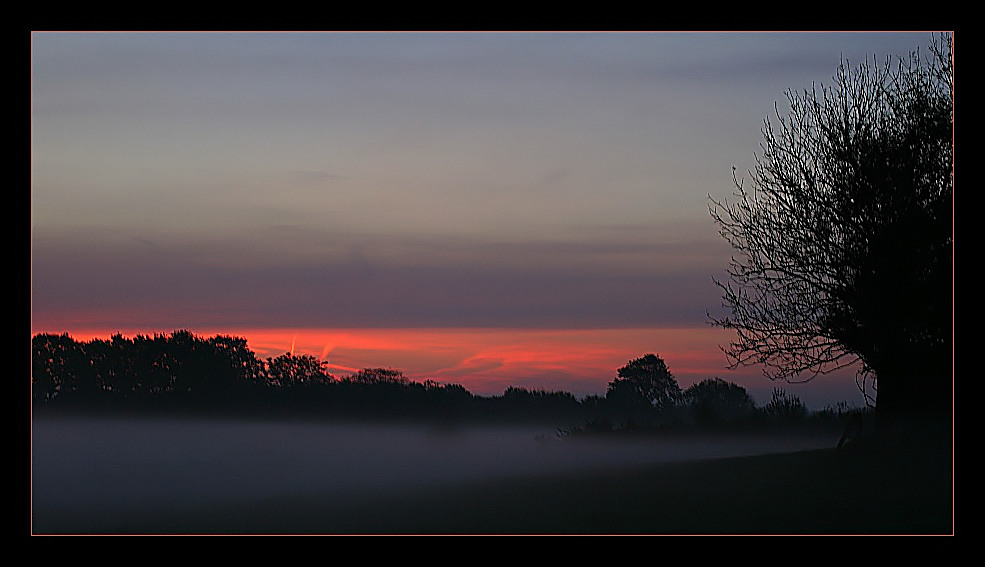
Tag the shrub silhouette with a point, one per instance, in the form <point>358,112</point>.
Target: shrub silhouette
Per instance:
<point>784,408</point>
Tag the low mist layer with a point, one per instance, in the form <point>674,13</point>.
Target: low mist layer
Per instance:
<point>92,474</point>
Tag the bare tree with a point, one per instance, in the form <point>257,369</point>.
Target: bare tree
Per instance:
<point>844,239</point>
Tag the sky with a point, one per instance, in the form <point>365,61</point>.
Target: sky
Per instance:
<point>488,209</point>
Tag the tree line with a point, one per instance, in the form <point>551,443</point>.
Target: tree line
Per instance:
<point>184,373</point>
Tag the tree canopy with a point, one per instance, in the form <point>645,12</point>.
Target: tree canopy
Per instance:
<point>844,239</point>
<point>646,378</point>
<point>715,401</point>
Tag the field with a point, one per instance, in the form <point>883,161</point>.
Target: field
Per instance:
<point>452,487</point>
<point>775,494</point>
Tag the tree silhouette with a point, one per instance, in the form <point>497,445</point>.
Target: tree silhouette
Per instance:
<point>784,407</point>
<point>645,379</point>
<point>844,241</point>
<point>379,376</point>
<point>59,367</point>
<point>296,369</point>
<point>715,402</point>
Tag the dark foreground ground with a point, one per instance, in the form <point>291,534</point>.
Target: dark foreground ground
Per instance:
<point>811,492</point>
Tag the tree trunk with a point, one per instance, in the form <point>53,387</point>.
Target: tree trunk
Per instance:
<point>911,406</point>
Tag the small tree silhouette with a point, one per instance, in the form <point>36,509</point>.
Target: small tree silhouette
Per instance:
<point>646,379</point>
<point>379,376</point>
<point>784,407</point>
<point>715,401</point>
<point>290,369</point>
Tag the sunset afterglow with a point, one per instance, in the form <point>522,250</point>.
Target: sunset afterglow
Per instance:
<point>487,361</point>
<point>490,283</point>
<point>524,209</point>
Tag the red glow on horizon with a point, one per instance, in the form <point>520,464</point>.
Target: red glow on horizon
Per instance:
<point>487,361</point>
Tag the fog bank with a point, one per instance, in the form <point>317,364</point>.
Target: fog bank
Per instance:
<point>89,473</point>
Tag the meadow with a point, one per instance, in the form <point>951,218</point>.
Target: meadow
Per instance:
<point>220,476</point>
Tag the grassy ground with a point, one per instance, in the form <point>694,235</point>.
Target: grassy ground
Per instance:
<point>814,492</point>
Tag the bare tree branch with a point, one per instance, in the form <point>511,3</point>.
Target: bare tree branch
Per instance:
<point>842,237</point>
